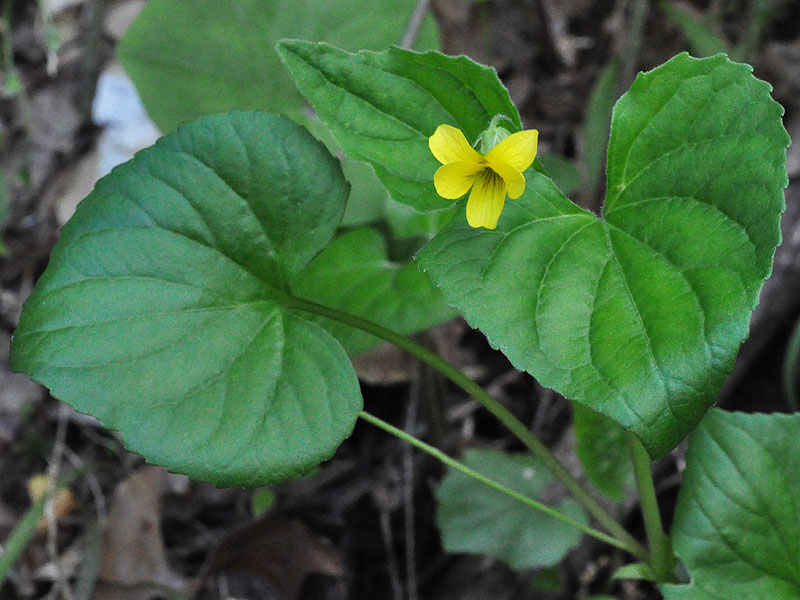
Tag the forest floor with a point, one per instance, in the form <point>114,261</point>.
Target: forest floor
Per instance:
<point>363,524</point>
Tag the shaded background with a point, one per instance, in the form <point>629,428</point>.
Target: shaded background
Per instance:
<point>362,525</point>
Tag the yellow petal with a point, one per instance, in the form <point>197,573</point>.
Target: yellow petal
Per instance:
<point>486,200</point>
<point>515,181</point>
<point>37,486</point>
<point>63,500</point>
<point>448,145</point>
<point>453,180</point>
<point>517,150</point>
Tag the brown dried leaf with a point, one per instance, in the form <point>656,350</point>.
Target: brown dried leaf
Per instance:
<point>389,365</point>
<point>383,365</point>
<point>281,551</point>
<point>72,185</point>
<point>16,389</point>
<point>120,15</point>
<point>134,561</point>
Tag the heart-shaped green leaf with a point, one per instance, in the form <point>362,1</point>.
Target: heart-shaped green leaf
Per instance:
<point>382,106</point>
<point>195,57</point>
<point>737,521</point>
<point>354,275</point>
<point>603,450</point>
<point>638,314</point>
<point>475,518</point>
<point>165,310</point>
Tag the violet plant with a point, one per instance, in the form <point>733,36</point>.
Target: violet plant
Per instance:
<point>202,303</point>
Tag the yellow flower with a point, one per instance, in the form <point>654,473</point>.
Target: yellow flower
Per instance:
<point>490,176</point>
<point>63,501</point>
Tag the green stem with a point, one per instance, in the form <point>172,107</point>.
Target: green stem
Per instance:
<point>454,464</point>
<point>790,365</point>
<point>415,23</point>
<point>662,559</point>
<point>25,529</point>
<point>634,45</point>
<point>514,425</point>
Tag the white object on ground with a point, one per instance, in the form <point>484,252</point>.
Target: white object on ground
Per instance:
<point>119,110</point>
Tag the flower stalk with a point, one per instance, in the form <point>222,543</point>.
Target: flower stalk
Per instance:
<point>662,558</point>
<point>495,485</point>
<point>537,448</point>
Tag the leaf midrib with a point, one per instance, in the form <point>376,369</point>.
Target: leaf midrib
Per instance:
<point>268,285</point>
<point>651,117</point>
<point>620,187</point>
<point>145,316</point>
<point>754,489</point>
